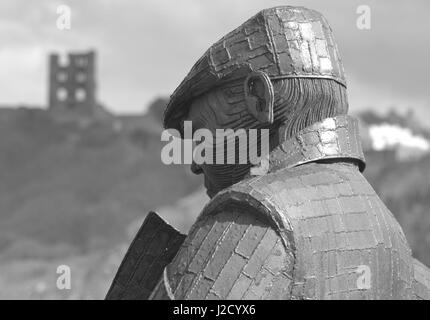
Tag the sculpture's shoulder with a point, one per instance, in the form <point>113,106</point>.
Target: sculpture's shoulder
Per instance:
<point>231,252</point>
<point>317,231</point>
<point>309,191</point>
<point>347,244</point>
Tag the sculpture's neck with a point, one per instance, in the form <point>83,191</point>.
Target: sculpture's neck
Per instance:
<point>332,138</point>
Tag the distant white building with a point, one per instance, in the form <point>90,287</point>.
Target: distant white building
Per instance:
<point>407,145</point>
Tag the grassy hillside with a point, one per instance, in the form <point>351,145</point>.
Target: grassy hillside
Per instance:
<point>80,184</point>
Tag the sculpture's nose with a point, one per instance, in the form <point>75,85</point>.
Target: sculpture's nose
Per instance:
<point>196,169</point>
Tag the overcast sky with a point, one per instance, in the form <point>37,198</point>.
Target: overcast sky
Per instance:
<point>146,47</point>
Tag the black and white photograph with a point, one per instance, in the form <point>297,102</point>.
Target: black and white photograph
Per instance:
<point>224,150</point>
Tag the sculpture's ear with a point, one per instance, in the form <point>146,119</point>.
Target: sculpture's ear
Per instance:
<point>259,96</point>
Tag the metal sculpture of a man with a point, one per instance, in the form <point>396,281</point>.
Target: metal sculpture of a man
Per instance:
<point>311,227</point>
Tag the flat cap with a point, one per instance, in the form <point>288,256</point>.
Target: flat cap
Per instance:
<point>284,42</point>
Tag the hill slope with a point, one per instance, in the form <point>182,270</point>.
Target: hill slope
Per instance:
<point>80,185</point>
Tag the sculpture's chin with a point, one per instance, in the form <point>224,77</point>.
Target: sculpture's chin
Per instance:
<point>211,188</point>
<point>210,193</point>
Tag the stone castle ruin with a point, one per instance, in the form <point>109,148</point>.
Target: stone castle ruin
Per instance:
<point>72,86</point>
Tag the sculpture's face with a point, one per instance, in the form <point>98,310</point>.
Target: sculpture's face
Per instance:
<point>246,104</point>
<point>211,111</point>
<point>284,45</point>
<point>214,111</point>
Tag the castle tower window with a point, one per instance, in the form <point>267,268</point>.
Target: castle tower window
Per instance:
<point>63,61</point>
<point>80,95</point>
<point>81,62</point>
<point>81,77</point>
<point>62,76</point>
<point>62,94</point>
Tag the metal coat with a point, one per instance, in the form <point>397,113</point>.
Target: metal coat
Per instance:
<point>313,229</point>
